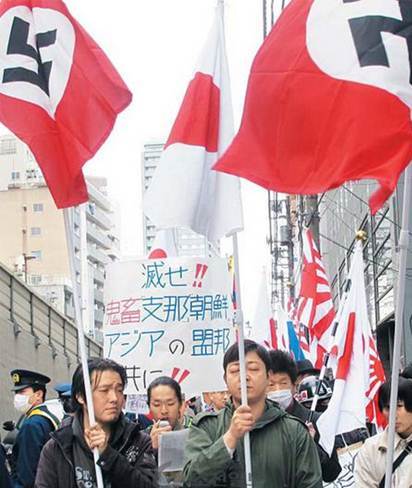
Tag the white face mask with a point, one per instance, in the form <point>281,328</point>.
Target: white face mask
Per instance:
<point>283,397</point>
<point>21,402</point>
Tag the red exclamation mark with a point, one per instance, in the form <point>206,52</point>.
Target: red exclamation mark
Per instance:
<point>204,269</point>
<point>198,270</point>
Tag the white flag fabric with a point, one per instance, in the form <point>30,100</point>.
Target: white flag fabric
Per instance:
<point>282,320</point>
<point>263,319</point>
<point>164,245</point>
<point>350,361</point>
<point>185,192</point>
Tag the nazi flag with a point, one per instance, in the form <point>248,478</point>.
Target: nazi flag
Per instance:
<point>330,96</point>
<point>59,92</point>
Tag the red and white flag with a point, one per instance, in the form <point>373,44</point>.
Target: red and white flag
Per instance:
<point>314,307</point>
<point>164,245</point>
<point>329,99</point>
<point>263,323</point>
<point>184,191</point>
<point>59,93</point>
<point>350,359</point>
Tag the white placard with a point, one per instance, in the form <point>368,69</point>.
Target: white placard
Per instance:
<point>169,317</point>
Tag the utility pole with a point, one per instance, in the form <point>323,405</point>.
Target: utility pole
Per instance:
<point>312,217</point>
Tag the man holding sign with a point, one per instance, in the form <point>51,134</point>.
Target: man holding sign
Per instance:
<point>283,453</point>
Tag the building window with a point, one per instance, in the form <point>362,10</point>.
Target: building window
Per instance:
<point>15,175</point>
<point>37,207</point>
<point>35,279</point>
<point>8,146</point>
<point>35,231</point>
<point>36,254</point>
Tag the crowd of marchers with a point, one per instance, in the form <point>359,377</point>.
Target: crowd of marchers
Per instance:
<point>45,450</point>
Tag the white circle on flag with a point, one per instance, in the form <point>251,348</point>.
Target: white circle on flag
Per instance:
<point>331,45</point>
<point>56,54</point>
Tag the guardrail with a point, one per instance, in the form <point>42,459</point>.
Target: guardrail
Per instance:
<point>28,312</point>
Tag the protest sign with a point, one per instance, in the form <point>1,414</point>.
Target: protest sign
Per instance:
<point>347,458</point>
<point>169,317</point>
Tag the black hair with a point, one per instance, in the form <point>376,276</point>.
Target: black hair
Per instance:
<point>40,388</point>
<point>282,362</point>
<point>232,354</point>
<point>407,371</point>
<point>404,394</point>
<point>94,364</point>
<point>165,381</point>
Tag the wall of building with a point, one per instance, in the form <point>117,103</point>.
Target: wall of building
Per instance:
<point>33,336</point>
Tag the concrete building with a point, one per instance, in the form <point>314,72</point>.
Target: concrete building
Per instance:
<point>33,243</point>
<point>344,211</point>
<point>36,336</point>
<point>188,243</point>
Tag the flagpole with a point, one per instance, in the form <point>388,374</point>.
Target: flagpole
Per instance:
<point>399,310</point>
<point>242,363</point>
<point>80,338</point>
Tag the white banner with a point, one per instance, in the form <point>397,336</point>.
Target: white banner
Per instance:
<point>347,458</point>
<point>169,317</point>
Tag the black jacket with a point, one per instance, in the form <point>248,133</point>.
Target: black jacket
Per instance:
<point>128,460</point>
<point>5,481</point>
<point>330,465</point>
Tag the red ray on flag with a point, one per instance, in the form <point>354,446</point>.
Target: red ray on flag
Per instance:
<point>328,100</point>
<point>59,93</point>
<point>314,306</point>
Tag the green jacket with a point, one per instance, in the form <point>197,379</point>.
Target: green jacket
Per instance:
<point>283,453</point>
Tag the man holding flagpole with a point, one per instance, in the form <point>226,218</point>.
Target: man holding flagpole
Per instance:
<point>283,454</point>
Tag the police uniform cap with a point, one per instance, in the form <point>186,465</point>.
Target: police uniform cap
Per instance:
<point>63,389</point>
<point>23,378</point>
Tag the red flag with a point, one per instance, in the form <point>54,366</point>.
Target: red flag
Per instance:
<point>329,96</point>
<point>59,93</point>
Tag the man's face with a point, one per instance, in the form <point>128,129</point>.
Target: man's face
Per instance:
<point>403,423</point>
<point>108,397</point>
<point>218,399</point>
<point>164,405</point>
<point>280,381</point>
<point>34,397</point>
<point>256,379</point>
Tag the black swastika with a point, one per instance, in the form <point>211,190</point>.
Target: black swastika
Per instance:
<point>367,35</point>
<point>18,45</point>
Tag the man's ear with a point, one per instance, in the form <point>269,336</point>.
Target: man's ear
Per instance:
<point>80,399</point>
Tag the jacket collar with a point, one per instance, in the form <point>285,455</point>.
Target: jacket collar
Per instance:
<point>122,430</point>
<point>399,441</point>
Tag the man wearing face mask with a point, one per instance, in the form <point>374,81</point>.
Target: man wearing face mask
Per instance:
<point>38,422</point>
<point>283,374</point>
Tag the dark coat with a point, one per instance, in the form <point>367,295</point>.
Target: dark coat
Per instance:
<point>5,481</point>
<point>128,460</point>
<point>33,434</point>
<point>330,465</point>
<point>283,453</point>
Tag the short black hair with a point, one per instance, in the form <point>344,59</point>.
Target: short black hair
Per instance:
<point>404,394</point>
<point>407,371</point>
<point>282,362</point>
<point>232,354</point>
<point>94,364</point>
<point>165,381</point>
<point>40,388</point>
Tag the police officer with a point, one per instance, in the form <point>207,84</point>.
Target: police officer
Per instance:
<point>38,422</point>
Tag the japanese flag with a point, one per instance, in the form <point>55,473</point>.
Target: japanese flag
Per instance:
<point>185,192</point>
